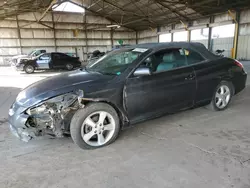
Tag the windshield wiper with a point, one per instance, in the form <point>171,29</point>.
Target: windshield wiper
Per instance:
<point>107,73</point>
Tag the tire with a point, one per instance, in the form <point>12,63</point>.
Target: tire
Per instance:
<point>69,66</point>
<point>29,69</point>
<point>88,135</point>
<point>225,99</point>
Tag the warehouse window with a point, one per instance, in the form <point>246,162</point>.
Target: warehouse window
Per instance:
<point>199,34</point>
<point>165,37</point>
<point>68,7</point>
<point>180,36</point>
<point>224,31</point>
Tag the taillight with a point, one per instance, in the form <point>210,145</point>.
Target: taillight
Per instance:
<point>239,64</point>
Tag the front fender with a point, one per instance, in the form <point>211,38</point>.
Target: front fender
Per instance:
<point>124,120</point>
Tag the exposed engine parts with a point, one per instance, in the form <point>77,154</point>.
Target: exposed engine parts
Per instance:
<point>52,116</point>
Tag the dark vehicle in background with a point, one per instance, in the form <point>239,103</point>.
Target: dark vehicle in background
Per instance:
<point>47,61</point>
<point>115,47</point>
<point>94,56</point>
<point>124,87</point>
<point>220,52</point>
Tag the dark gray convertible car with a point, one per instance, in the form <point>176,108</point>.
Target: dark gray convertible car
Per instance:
<point>124,87</point>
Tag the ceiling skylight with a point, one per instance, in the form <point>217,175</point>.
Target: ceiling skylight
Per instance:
<point>68,7</point>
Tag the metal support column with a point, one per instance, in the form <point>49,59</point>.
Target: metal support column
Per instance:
<point>19,34</point>
<point>111,37</point>
<point>210,34</point>
<point>158,36</point>
<point>188,35</point>
<point>136,37</point>
<point>236,34</point>
<point>54,30</point>
<point>210,39</point>
<point>172,34</point>
<point>86,36</point>
<point>188,31</point>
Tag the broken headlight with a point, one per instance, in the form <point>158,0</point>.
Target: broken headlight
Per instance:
<point>55,104</point>
<point>36,110</point>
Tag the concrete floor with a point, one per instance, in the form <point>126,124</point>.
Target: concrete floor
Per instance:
<point>192,149</point>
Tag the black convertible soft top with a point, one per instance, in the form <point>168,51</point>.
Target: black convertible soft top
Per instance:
<point>199,47</point>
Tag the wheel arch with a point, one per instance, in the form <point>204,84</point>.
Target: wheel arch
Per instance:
<point>122,115</point>
<point>229,80</point>
<point>222,79</point>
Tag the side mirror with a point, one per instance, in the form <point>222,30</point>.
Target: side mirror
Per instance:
<point>142,71</point>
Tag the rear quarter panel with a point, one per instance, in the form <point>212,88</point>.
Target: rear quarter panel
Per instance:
<point>209,74</point>
<point>74,60</point>
<point>239,78</point>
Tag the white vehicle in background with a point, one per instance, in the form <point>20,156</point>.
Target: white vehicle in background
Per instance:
<point>16,59</point>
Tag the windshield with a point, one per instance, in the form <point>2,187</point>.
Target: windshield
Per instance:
<point>115,62</point>
<point>31,53</point>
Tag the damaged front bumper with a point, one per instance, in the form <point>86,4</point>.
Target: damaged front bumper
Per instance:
<point>17,123</point>
<point>19,67</point>
<point>22,134</point>
<point>51,117</point>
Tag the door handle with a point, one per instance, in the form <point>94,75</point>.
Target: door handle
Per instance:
<point>190,77</point>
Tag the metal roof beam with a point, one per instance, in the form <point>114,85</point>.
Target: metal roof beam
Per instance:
<point>172,10</point>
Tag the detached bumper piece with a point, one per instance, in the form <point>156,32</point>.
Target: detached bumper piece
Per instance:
<point>18,124</point>
<point>22,134</point>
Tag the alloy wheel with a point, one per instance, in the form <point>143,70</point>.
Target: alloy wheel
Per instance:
<point>98,128</point>
<point>69,67</point>
<point>222,97</point>
<point>29,69</point>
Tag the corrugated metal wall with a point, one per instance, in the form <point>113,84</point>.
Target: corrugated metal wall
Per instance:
<point>244,38</point>
<point>147,36</point>
<point>69,34</point>
<point>223,44</point>
<point>244,48</point>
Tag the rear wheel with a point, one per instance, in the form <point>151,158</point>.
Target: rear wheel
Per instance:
<point>222,96</point>
<point>95,126</point>
<point>29,69</point>
<point>69,66</point>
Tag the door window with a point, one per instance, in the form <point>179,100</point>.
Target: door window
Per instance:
<point>166,60</point>
<point>45,57</point>
<point>193,57</point>
<point>64,56</point>
<point>60,56</point>
<point>56,56</point>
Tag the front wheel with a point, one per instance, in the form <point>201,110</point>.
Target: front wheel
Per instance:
<point>222,96</point>
<point>69,66</point>
<point>95,126</point>
<point>29,69</point>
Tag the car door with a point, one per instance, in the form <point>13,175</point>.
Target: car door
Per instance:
<point>43,61</point>
<point>169,88</point>
<point>208,74</point>
<point>60,60</point>
<point>56,60</point>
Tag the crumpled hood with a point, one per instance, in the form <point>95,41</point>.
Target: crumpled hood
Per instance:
<point>58,85</point>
